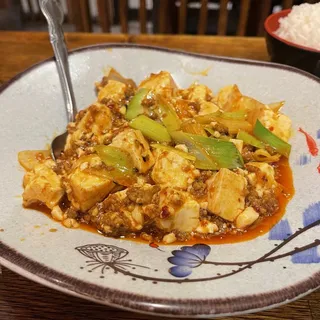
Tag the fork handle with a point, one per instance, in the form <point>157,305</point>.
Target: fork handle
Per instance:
<point>61,54</point>
<point>52,13</point>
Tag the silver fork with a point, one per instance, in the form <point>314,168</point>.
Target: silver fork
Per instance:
<point>53,12</point>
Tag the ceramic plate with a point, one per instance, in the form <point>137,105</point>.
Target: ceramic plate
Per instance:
<point>215,280</point>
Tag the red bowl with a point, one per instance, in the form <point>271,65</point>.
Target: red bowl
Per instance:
<point>287,52</point>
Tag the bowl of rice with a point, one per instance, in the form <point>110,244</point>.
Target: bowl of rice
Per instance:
<point>293,37</point>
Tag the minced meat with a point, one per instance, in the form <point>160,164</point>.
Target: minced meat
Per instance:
<point>265,205</point>
<point>221,128</point>
<point>247,153</point>
<point>211,217</point>
<point>141,195</point>
<point>148,102</point>
<point>199,187</point>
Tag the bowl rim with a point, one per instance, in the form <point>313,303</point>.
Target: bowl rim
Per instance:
<point>273,35</point>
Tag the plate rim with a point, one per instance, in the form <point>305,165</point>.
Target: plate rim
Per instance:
<point>40,273</point>
<point>217,307</point>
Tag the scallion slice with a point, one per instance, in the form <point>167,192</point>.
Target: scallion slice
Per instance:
<point>211,154</point>
<point>266,136</point>
<point>224,153</point>
<point>203,159</point>
<point>119,163</point>
<point>181,153</point>
<point>167,114</point>
<point>135,107</point>
<point>150,128</point>
<point>233,125</point>
<point>194,128</point>
<point>235,115</point>
<point>249,139</point>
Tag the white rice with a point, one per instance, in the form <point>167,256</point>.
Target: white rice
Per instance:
<point>302,25</point>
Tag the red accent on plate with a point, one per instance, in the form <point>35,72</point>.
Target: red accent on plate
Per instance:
<point>153,245</point>
<point>312,145</point>
<point>318,168</point>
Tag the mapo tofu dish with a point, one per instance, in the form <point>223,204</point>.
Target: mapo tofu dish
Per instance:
<point>160,163</point>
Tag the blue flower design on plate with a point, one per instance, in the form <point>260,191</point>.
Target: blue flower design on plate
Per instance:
<point>187,258</point>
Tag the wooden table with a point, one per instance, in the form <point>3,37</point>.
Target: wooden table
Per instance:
<point>23,299</point>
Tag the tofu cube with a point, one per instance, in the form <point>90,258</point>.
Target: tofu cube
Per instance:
<point>183,212</point>
<point>156,82</point>
<point>253,108</point>
<point>228,96</point>
<point>199,93</point>
<point>265,175</point>
<point>43,185</point>
<point>100,119</point>
<point>207,227</point>
<point>30,158</point>
<point>96,121</point>
<point>133,141</point>
<point>169,238</point>
<point>117,217</point>
<point>86,185</point>
<point>277,123</point>
<point>284,127</point>
<point>186,218</point>
<point>207,107</point>
<point>170,169</point>
<point>113,90</point>
<point>226,194</point>
<point>246,218</point>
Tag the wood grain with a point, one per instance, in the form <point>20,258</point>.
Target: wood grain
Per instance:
<point>203,17</point>
<point>287,4</point>
<point>85,15</point>
<point>224,46</point>
<point>104,14</point>
<point>265,8</point>
<point>162,16</point>
<point>143,16</point>
<point>80,15</point>
<point>182,16</point>
<point>23,299</point>
<point>4,4</point>
<point>33,12</point>
<point>223,17</point>
<point>69,17</point>
<point>36,47</point>
<point>243,19</point>
<point>123,12</point>
<point>314,304</point>
<point>26,300</point>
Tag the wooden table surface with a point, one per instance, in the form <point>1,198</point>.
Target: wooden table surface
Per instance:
<point>22,299</point>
